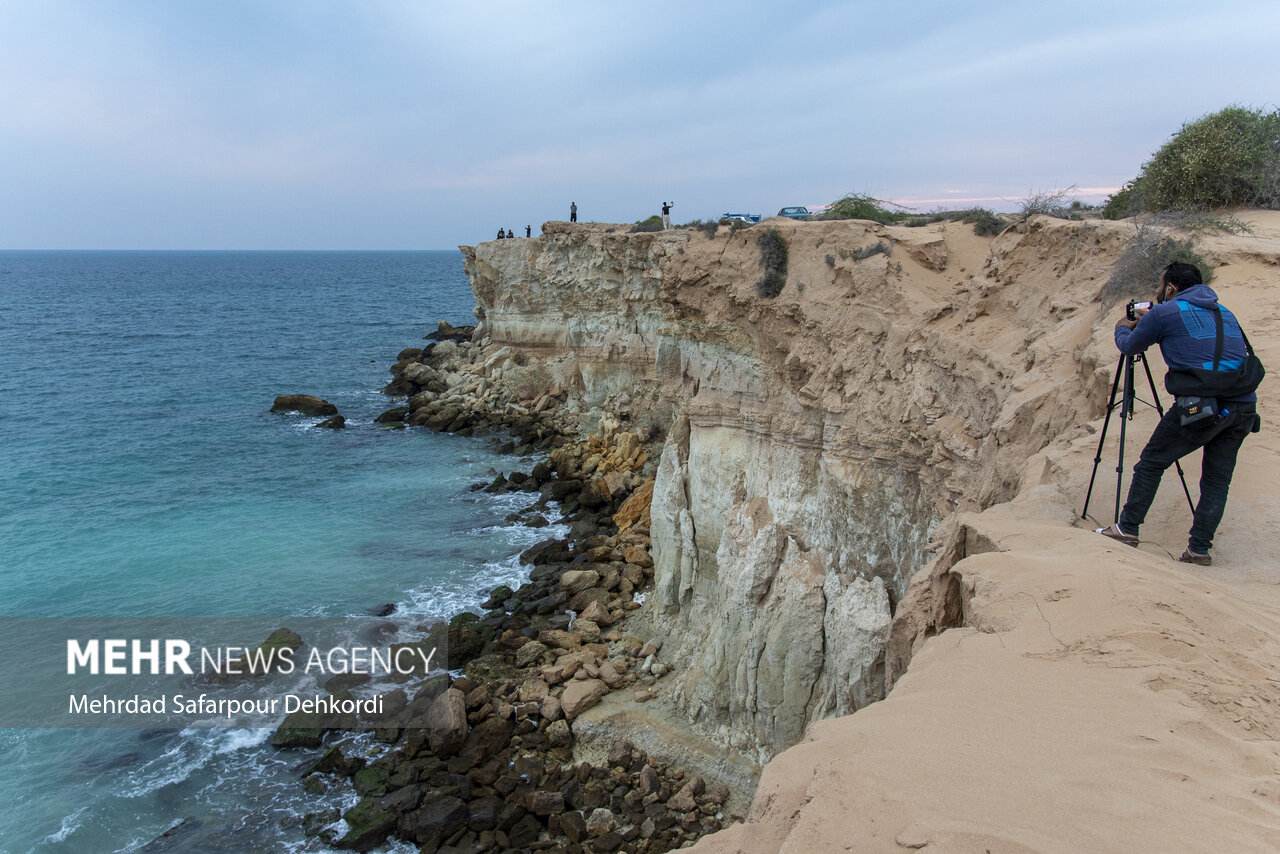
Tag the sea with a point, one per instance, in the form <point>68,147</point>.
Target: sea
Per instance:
<point>143,475</point>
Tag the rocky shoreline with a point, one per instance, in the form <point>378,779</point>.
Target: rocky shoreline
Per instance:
<point>485,761</point>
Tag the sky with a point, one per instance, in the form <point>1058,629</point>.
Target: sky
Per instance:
<point>414,124</point>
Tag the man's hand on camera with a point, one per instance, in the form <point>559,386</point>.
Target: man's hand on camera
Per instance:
<point>1126,322</point>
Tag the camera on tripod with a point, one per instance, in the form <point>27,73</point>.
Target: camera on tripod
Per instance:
<point>1131,310</point>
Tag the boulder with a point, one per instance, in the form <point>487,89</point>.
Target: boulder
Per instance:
<point>637,555</point>
<point>600,822</point>
<point>560,639</point>
<point>581,695</point>
<point>446,722</point>
<point>337,422</point>
<point>529,653</point>
<point>596,613</point>
<point>368,825</point>
<point>635,510</point>
<point>307,404</point>
<point>559,734</point>
<point>583,599</point>
<point>438,819</point>
<point>577,580</point>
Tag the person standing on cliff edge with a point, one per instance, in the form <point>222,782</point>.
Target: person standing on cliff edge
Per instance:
<point>528,231</point>
<point>1201,343</point>
<point>666,214</point>
<point>573,211</point>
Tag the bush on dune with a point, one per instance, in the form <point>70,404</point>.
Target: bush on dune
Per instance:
<point>1230,158</point>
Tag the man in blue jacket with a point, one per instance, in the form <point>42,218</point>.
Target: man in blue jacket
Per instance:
<point>1182,322</point>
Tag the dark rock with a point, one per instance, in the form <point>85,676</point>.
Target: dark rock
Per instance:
<point>448,332</point>
<point>484,814</point>
<point>384,610</point>
<point>402,800</point>
<point>499,595</point>
<point>561,489</point>
<point>573,826</point>
<point>307,404</point>
<point>547,551</point>
<point>300,729</point>
<point>438,819</point>
<point>610,841</point>
<point>526,830</point>
<point>545,803</point>
<point>465,643</point>
<point>337,422</point>
<point>621,753</point>
<point>368,825</point>
<point>392,416</point>
<point>371,780</point>
<point>491,735</point>
<point>400,386</point>
<point>334,762</point>
<point>314,822</point>
<point>648,780</point>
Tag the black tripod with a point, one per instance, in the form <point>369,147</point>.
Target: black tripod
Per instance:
<point>1125,369</point>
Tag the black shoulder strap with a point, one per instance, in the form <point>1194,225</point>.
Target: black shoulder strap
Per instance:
<point>1218,344</point>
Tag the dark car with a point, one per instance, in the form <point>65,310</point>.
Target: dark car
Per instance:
<point>796,212</point>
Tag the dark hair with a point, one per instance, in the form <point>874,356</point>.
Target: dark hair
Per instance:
<point>1181,275</point>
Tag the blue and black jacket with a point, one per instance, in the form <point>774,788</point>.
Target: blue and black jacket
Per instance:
<point>1186,331</point>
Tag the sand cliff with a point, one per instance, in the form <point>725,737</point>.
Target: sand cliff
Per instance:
<point>878,472</point>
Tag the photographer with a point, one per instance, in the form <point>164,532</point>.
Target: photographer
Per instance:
<point>1203,345</point>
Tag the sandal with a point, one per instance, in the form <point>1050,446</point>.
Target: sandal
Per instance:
<point>1189,556</point>
<point>1114,532</point>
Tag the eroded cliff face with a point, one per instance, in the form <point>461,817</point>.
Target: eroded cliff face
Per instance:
<point>813,441</point>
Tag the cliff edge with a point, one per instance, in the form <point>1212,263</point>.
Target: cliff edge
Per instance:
<point>878,472</point>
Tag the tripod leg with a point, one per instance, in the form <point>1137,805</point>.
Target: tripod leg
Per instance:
<point>1156,397</point>
<point>1126,412</point>
<point>1111,405</point>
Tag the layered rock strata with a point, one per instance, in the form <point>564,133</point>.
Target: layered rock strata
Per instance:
<point>812,440</point>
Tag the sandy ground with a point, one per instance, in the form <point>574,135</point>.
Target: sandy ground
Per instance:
<point>1099,698</point>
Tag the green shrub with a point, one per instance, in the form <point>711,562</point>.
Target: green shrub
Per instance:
<point>985,223</point>
<point>773,257</point>
<point>1123,202</point>
<point>858,206</point>
<point>653,223</point>
<point>708,228</point>
<point>1225,159</point>
<point>877,248</point>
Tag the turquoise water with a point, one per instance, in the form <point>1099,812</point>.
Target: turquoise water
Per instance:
<point>143,475</point>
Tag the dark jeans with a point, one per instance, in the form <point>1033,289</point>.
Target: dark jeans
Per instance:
<point>1170,443</point>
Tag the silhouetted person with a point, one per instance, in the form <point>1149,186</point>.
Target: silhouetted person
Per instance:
<point>501,234</point>
<point>528,231</point>
<point>510,235</point>
<point>573,211</point>
<point>666,214</point>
